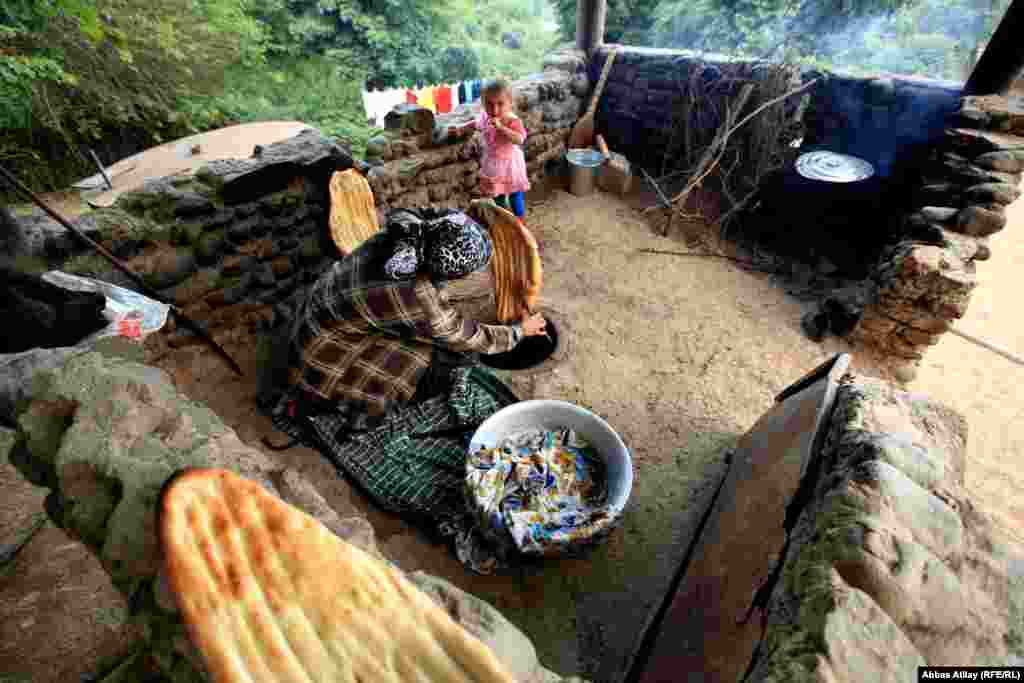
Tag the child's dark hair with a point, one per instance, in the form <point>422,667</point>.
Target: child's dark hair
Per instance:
<point>494,87</point>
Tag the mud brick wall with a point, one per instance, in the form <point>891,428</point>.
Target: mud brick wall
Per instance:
<point>645,87</point>
<point>419,160</point>
<point>231,244</point>
<point>923,284</point>
<point>885,120</point>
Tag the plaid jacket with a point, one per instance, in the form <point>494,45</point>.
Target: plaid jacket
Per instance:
<point>367,340</point>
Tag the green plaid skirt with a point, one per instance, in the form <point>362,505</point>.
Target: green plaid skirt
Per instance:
<point>413,461</point>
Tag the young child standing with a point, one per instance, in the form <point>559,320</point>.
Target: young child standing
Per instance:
<point>502,166</point>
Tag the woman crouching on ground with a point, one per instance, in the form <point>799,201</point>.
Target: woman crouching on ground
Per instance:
<point>376,331</point>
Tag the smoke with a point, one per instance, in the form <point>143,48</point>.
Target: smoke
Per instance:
<point>937,39</point>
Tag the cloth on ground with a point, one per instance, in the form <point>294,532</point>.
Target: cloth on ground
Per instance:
<point>412,461</point>
<point>543,491</point>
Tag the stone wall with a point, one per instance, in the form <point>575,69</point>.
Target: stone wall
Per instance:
<point>231,244</point>
<point>419,161</point>
<point>878,119</point>
<point>889,565</point>
<point>923,283</point>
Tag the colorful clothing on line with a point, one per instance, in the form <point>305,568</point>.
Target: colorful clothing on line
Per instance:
<point>390,100</point>
<point>476,91</point>
<point>463,98</point>
<point>410,97</point>
<point>443,99</point>
<point>361,338</point>
<point>540,492</point>
<point>502,166</point>
<point>426,98</point>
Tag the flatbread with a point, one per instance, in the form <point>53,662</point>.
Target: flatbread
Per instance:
<point>518,272</point>
<point>353,218</point>
<point>269,594</point>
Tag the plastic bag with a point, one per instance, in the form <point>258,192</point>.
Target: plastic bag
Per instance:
<point>130,313</point>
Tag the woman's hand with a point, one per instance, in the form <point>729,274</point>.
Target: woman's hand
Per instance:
<point>534,325</point>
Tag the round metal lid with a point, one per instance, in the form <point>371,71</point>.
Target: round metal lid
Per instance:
<point>832,167</point>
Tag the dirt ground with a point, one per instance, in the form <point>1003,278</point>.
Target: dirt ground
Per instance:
<point>680,355</point>
<point>985,387</point>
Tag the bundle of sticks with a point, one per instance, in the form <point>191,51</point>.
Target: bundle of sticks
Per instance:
<point>736,162</point>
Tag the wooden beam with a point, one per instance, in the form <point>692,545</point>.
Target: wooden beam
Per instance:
<point>1003,58</point>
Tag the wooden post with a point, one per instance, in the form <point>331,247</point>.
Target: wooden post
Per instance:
<point>583,24</point>
<point>590,22</point>
<point>598,19</point>
<point>1003,59</point>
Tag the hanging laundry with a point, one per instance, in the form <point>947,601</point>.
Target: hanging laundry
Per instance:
<point>462,93</point>
<point>391,99</point>
<point>410,97</point>
<point>476,91</point>
<point>443,99</point>
<point>427,99</point>
<point>368,105</point>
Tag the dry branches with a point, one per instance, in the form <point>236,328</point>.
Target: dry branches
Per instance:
<point>709,140</point>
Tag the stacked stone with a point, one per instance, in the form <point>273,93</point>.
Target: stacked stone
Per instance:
<point>419,161</point>
<point>636,112</point>
<point>231,244</point>
<point>924,283</point>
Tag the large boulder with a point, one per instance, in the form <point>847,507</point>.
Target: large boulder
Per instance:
<point>270,168</point>
<point>890,566</point>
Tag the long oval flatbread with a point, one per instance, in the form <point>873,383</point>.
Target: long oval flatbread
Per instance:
<point>518,272</point>
<point>270,595</point>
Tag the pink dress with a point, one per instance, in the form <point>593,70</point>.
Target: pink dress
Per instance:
<point>503,167</point>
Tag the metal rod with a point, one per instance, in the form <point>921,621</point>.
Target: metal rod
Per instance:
<point>1003,58</point>
<point>1008,355</point>
<point>139,282</point>
<point>103,171</point>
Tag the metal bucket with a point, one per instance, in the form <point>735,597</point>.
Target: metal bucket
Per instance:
<point>583,166</point>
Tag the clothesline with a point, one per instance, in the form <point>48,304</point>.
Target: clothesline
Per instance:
<point>440,99</point>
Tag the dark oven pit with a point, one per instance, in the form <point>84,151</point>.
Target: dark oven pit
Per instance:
<point>530,352</point>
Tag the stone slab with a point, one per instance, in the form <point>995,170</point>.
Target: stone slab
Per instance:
<point>705,629</point>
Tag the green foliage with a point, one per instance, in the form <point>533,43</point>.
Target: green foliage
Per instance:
<point>314,90</point>
<point>396,41</point>
<point>933,38</point>
<point>495,17</point>
<point>77,73</point>
<point>627,21</point>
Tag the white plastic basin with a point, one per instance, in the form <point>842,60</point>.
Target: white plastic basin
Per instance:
<point>545,414</point>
